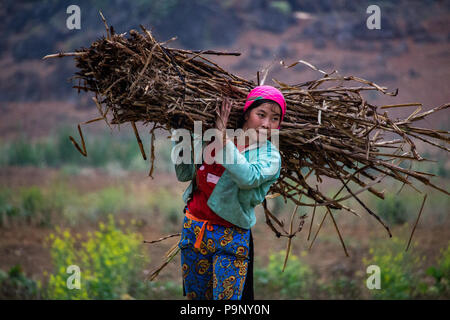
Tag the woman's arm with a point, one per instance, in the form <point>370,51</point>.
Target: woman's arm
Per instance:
<point>247,174</point>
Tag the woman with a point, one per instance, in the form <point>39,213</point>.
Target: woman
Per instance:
<point>216,243</point>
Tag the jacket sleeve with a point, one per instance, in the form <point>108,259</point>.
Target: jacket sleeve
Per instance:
<point>184,171</point>
<point>248,175</point>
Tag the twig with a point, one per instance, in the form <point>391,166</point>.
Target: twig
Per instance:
<point>62,54</point>
<point>291,235</point>
<point>338,232</point>
<point>163,238</point>
<point>136,133</point>
<point>417,221</point>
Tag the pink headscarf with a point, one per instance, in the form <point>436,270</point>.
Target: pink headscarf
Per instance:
<point>269,93</point>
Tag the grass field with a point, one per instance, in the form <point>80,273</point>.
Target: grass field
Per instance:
<point>73,211</point>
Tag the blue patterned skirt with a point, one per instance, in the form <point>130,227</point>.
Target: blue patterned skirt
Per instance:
<point>218,268</point>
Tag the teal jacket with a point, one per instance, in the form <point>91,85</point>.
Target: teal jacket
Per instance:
<point>244,183</point>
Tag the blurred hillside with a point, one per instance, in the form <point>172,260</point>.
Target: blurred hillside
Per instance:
<point>410,52</point>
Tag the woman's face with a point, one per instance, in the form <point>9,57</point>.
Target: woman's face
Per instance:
<point>266,116</point>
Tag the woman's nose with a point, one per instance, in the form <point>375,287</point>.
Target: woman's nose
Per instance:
<point>265,124</point>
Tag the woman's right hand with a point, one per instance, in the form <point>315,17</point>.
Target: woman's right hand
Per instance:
<point>223,114</point>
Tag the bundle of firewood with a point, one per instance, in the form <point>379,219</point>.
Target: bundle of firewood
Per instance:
<point>329,128</point>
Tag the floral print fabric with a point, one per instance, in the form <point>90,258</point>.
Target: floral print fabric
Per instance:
<point>218,269</point>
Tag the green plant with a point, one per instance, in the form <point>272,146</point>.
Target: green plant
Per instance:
<point>116,151</point>
<point>34,206</point>
<point>8,211</point>
<point>167,204</point>
<point>15,285</point>
<point>400,271</point>
<point>341,287</point>
<point>62,203</point>
<point>441,275</point>
<point>110,200</point>
<point>21,152</point>
<point>110,260</point>
<point>295,282</point>
<point>28,205</point>
<point>393,209</point>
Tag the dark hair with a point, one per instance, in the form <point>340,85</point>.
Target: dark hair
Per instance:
<point>254,105</point>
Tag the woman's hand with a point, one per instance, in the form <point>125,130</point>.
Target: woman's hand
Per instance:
<point>222,120</point>
<point>223,115</point>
